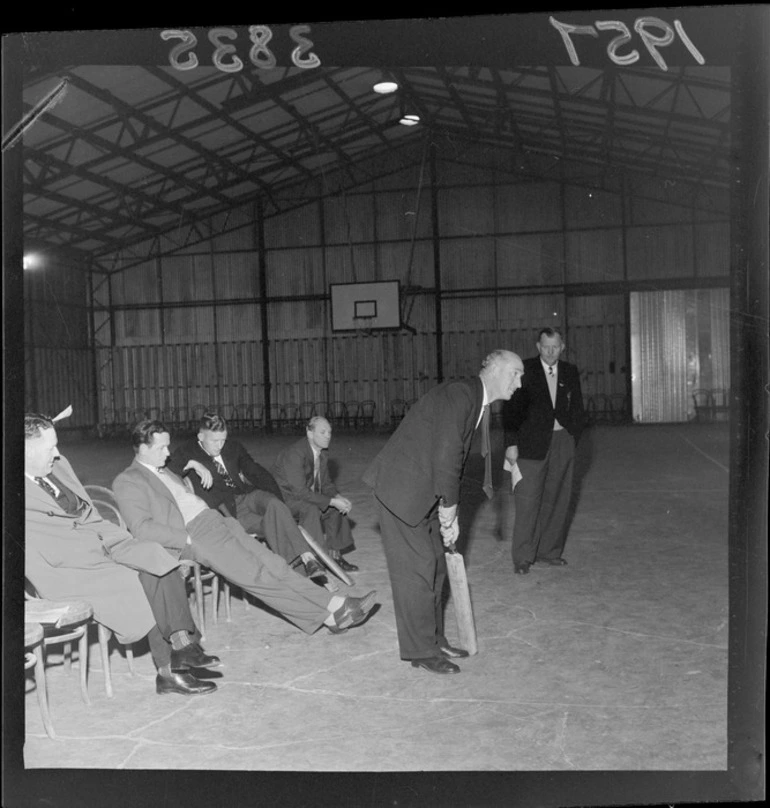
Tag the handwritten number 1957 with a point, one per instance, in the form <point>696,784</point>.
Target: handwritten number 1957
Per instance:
<point>642,27</point>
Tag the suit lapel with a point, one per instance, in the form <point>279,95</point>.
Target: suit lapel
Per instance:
<point>154,482</point>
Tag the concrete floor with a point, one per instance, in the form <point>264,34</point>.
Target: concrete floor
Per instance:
<point>616,662</point>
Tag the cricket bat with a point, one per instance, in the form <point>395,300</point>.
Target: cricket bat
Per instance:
<point>461,597</point>
<point>328,561</point>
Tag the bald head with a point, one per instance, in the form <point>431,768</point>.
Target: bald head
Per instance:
<point>501,373</point>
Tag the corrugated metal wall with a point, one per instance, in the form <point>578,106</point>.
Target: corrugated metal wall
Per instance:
<point>515,253</point>
<point>679,344</point>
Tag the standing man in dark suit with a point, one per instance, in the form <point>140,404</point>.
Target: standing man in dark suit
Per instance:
<point>416,481</point>
<point>543,422</point>
<point>302,472</point>
<point>227,476</point>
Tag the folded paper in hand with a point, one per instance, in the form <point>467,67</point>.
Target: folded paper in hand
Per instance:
<point>515,473</point>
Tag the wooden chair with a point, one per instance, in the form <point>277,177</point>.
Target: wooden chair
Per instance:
<point>397,411</point>
<point>351,414</point>
<point>34,657</point>
<point>720,399</point>
<point>337,414</point>
<point>366,413</point>
<point>703,402</point>
<point>63,623</point>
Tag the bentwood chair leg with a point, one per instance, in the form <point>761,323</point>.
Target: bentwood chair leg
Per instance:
<point>199,602</point>
<point>226,594</point>
<point>130,660</point>
<point>83,663</point>
<point>104,648</point>
<point>215,597</point>
<point>42,693</point>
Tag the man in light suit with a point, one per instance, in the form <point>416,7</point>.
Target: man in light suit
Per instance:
<point>416,481</point>
<point>159,506</point>
<point>543,422</point>
<point>302,472</point>
<point>135,589</point>
<point>226,476</point>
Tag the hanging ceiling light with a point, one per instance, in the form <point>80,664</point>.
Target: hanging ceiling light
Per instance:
<point>385,87</point>
<point>409,120</point>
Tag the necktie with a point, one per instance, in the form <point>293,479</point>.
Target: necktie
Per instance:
<point>551,378</point>
<point>222,469</point>
<point>316,473</point>
<point>486,453</point>
<point>46,486</point>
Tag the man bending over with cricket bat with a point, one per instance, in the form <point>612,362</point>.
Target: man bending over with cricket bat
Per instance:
<point>416,481</point>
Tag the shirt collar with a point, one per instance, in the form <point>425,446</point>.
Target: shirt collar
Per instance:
<point>148,466</point>
<point>555,367</point>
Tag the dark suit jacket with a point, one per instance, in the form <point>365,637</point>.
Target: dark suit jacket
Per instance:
<point>85,557</point>
<point>293,471</point>
<point>423,460</point>
<point>245,472</point>
<point>528,417</point>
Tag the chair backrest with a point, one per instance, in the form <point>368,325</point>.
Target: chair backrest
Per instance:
<point>105,502</point>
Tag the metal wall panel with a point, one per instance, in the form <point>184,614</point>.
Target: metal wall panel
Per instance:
<point>596,341</point>
<point>186,278</point>
<point>57,377</point>
<point>528,206</point>
<point>393,260</point>
<point>591,207</point>
<point>189,324</point>
<point>351,264</point>
<point>403,214</point>
<point>137,326</point>
<point>535,259</point>
<point>295,272</point>
<point>680,342</point>
<point>236,275</point>
<point>136,285</point>
<point>466,211</point>
<point>659,252</point>
<point>299,227</point>
<point>349,218</point>
<point>238,322</point>
<point>594,255</point>
<point>712,249</point>
<point>468,262</point>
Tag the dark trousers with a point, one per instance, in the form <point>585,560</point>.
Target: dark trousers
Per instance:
<point>417,569</point>
<point>331,524</point>
<point>167,595</point>
<point>221,544</point>
<point>263,513</point>
<point>542,499</point>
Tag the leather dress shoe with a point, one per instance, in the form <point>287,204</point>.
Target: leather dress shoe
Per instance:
<point>436,665</point>
<point>182,682</point>
<point>314,569</point>
<point>521,568</point>
<point>346,565</point>
<point>452,652</point>
<point>553,562</point>
<point>353,612</point>
<point>193,656</point>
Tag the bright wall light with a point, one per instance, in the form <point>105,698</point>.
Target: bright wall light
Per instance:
<point>410,120</point>
<point>32,261</point>
<point>385,87</point>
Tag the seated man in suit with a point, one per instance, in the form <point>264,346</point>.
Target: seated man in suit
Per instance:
<point>159,506</point>
<point>71,553</point>
<point>226,475</point>
<point>302,472</point>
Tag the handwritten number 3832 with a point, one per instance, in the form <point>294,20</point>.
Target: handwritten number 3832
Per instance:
<point>225,57</point>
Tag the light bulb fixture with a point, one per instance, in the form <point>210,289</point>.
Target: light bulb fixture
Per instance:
<point>409,120</point>
<point>31,261</point>
<point>385,87</point>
